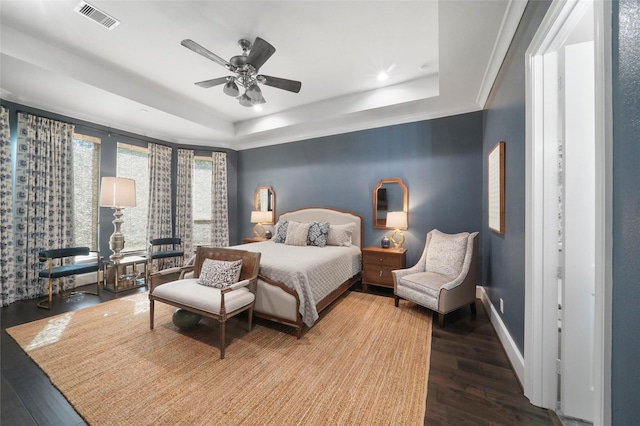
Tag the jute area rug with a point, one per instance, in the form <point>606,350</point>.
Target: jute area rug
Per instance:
<point>365,362</point>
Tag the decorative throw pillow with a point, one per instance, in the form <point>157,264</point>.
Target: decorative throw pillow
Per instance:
<point>297,234</point>
<point>220,273</point>
<point>280,231</point>
<point>446,253</point>
<point>340,235</point>
<point>318,233</point>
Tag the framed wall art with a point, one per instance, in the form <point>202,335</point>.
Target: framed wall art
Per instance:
<point>495,188</point>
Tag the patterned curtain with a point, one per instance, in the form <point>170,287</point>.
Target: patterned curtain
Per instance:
<point>184,205</point>
<point>159,224</point>
<point>7,261</point>
<point>219,206</point>
<point>43,209</point>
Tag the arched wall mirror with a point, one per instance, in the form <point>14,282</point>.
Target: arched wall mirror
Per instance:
<point>265,200</point>
<point>390,195</point>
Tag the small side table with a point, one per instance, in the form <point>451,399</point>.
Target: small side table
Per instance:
<point>377,264</point>
<point>125,275</point>
<point>253,240</point>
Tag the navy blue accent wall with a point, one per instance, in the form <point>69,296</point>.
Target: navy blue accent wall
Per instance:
<point>504,255</point>
<point>625,353</point>
<point>440,161</point>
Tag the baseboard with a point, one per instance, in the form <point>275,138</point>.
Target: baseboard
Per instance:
<point>513,353</point>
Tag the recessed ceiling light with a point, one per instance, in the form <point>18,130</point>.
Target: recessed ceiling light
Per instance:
<point>382,76</point>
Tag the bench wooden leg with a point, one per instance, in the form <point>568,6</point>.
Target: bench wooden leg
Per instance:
<point>222,337</point>
<point>151,312</point>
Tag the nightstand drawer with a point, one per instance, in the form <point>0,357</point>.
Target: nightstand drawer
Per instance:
<point>378,276</point>
<point>382,259</point>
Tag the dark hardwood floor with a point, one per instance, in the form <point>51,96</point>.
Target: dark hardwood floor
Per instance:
<point>470,379</point>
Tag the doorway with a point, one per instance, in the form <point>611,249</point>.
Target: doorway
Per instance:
<point>567,236</point>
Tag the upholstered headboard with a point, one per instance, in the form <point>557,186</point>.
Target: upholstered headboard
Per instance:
<point>326,214</point>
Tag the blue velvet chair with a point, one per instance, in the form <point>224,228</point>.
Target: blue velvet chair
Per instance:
<point>164,248</point>
<point>56,269</point>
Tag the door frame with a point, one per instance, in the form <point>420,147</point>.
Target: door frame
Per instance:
<point>541,330</point>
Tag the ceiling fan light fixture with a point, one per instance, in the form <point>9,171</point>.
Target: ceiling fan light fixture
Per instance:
<point>259,101</point>
<point>231,88</point>
<point>245,100</point>
<point>254,92</point>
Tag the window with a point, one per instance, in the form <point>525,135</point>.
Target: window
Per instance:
<point>133,163</point>
<point>201,201</point>
<point>86,168</point>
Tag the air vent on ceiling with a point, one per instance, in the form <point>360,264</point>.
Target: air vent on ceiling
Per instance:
<point>96,15</point>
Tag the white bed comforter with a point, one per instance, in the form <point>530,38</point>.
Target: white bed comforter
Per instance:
<point>313,272</point>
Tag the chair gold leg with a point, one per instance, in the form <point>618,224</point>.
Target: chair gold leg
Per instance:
<point>46,303</point>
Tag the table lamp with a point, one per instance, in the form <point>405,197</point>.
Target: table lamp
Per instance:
<point>117,193</point>
<point>397,220</point>
<point>259,217</point>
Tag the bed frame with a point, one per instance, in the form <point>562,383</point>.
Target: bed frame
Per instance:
<point>277,302</point>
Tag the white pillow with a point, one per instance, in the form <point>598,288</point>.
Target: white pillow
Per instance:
<point>297,234</point>
<point>340,235</point>
<point>446,253</point>
<point>219,273</point>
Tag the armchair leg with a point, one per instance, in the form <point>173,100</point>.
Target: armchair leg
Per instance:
<point>250,318</point>
<point>396,300</point>
<point>440,320</point>
<point>473,308</point>
<point>151,313</point>
<point>222,327</point>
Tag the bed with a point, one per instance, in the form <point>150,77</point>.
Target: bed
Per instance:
<point>296,283</point>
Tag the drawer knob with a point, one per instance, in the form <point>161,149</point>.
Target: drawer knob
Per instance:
<point>380,260</point>
<point>380,273</point>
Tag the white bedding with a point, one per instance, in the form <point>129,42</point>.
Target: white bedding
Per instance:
<point>313,272</point>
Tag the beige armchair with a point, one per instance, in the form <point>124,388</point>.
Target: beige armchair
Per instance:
<point>188,293</point>
<point>444,279</point>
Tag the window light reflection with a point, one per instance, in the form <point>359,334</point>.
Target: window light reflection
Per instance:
<point>51,333</point>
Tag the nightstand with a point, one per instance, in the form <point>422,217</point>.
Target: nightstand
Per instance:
<point>377,264</point>
<point>253,240</point>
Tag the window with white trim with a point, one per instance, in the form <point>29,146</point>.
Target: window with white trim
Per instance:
<point>201,201</point>
<point>133,163</point>
<point>86,172</point>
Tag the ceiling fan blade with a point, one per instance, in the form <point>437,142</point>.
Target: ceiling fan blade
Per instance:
<point>213,82</point>
<point>192,45</point>
<point>260,52</point>
<point>280,83</point>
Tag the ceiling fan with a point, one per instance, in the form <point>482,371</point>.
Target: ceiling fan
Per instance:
<point>246,67</point>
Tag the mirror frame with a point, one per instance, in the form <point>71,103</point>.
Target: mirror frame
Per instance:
<point>273,202</point>
<point>375,200</point>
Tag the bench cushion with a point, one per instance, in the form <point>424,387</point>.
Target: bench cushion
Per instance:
<point>189,293</point>
<point>67,270</point>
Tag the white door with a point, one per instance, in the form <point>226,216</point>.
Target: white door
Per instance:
<point>568,212</point>
<point>578,232</point>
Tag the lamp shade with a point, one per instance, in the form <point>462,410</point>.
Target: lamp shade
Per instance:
<point>117,192</point>
<point>397,220</point>
<point>258,216</point>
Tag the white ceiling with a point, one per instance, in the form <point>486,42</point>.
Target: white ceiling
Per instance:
<point>442,57</point>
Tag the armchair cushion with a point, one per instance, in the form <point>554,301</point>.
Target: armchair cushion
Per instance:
<point>189,293</point>
<point>446,253</point>
<point>220,273</point>
<point>425,282</point>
